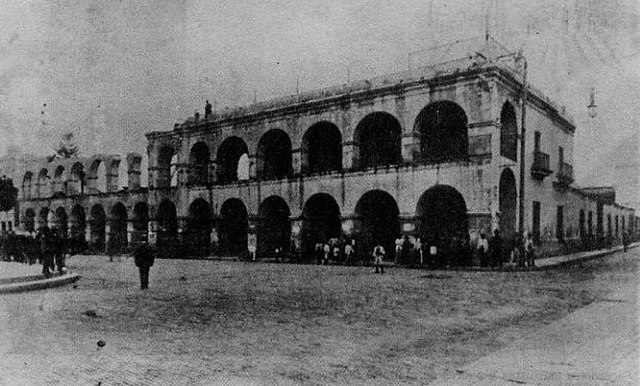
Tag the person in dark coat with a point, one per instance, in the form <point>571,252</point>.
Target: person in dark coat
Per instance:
<point>495,249</point>
<point>47,249</point>
<point>144,257</point>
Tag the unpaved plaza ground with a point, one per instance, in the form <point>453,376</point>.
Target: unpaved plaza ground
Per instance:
<point>213,322</point>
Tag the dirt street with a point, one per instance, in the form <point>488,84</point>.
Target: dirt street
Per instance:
<point>212,322</point>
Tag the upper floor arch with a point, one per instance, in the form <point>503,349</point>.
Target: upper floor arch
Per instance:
<point>442,129</point>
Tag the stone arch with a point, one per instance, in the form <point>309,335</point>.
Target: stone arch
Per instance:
<point>322,148</point>
<point>163,167</point>
<point>97,180</point>
<point>200,223</point>
<point>167,241</point>
<point>140,222</point>
<point>29,220</point>
<point>78,223</point>
<point>228,159</point>
<point>117,228</point>
<point>61,221</point>
<point>377,221</point>
<point>441,214</point>
<point>98,225</point>
<point>273,156</point>
<point>199,158</point>
<point>442,127</point>
<point>508,132</point>
<point>59,180</point>
<point>273,228</point>
<point>43,188</point>
<point>234,225</point>
<point>320,221</point>
<point>27,185</point>
<point>508,203</point>
<point>76,179</point>
<point>43,217</point>
<point>377,141</point>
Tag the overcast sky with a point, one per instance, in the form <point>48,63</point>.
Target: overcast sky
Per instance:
<point>112,70</point>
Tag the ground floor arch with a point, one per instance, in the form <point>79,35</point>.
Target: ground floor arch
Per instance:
<point>273,230</point>
<point>167,237</point>
<point>140,222</point>
<point>118,229</point>
<point>78,223</point>
<point>507,201</point>
<point>199,228</point>
<point>320,222</point>
<point>43,217</point>
<point>234,224</point>
<point>98,223</point>
<point>442,221</point>
<point>29,220</point>
<point>377,221</point>
<point>61,221</point>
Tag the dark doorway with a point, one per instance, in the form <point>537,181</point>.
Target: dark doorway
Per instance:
<point>442,215</point>
<point>507,203</point>
<point>118,229</point>
<point>508,133</point>
<point>234,224</point>
<point>377,138</point>
<point>61,224</point>
<point>167,241</point>
<point>199,158</point>
<point>229,154</point>
<point>443,132</point>
<point>377,215</point>
<point>320,222</point>
<point>273,159</point>
<point>200,223</point>
<point>273,226</point>
<point>98,222</point>
<point>322,148</point>
<point>30,220</point>
<point>43,217</point>
<point>78,224</point>
<point>140,222</point>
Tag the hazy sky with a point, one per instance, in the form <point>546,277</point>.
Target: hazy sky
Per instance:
<point>112,70</point>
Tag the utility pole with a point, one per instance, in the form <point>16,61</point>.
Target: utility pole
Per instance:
<point>523,133</point>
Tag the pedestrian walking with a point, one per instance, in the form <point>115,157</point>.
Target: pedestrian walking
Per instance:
<point>326,249</point>
<point>319,251</point>
<point>144,257</point>
<point>46,242</point>
<point>482,249</point>
<point>378,256</point>
<point>495,249</point>
<point>529,250</point>
<point>348,253</point>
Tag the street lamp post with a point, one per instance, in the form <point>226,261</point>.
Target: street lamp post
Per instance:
<point>522,150</point>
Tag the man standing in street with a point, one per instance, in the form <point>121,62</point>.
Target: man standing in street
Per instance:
<point>144,258</point>
<point>378,255</point>
<point>495,249</point>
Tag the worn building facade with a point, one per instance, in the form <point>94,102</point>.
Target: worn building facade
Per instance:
<point>432,153</point>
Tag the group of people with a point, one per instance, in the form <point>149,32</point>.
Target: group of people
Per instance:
<point>47,246</point>
<point>496,252</point>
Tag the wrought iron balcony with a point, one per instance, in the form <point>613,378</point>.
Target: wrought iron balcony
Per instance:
<point>565,174</point>
<point>540,167</point>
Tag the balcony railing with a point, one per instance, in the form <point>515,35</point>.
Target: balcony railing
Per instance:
<point>540,167</point>
<point>565,174</point>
